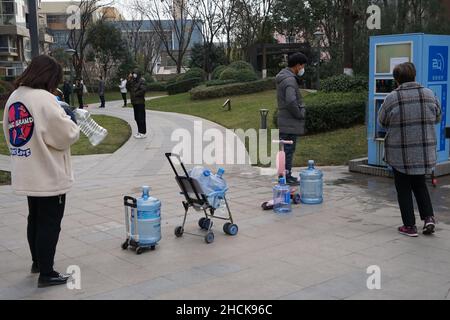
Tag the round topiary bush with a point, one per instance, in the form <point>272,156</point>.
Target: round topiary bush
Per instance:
<point>193,73</point>
<point>345,83</point>
<point>229,74</point>
<point>217,71</point>
<point>246,75</point>
<point>241,65</point>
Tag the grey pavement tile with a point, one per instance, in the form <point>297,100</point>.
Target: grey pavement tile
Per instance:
<point>155,287</point>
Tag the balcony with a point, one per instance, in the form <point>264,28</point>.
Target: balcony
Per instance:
<point>8,51</point>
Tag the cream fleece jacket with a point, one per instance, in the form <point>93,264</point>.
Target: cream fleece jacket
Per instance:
<point>39,135</point>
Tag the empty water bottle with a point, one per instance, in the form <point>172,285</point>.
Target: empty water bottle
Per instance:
<point>91,129</point>
<point>219,186</point>
<point>202,175</point>
<point>311,185</point>
<point>282,197</point>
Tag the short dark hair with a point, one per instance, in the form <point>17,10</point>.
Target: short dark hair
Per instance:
<point>297,58</point>
<point>405,72</point>
<point>44,72</point>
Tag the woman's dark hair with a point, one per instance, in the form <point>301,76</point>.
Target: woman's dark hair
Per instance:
<point>44,72</point>
<point>405,72</point>
<point>297,58</point>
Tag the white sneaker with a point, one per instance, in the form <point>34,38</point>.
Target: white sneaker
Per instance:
<point>143,136</point>
<point>137,136</point>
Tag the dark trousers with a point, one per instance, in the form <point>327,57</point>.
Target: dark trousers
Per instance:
<point>67,98</point>
<point>102,101</point>
<point>44,225</point>
<point>406,185</point>
<point>80,101</point>
<point>289,150</point>
<point>124,97</point>
<point>139,116</point>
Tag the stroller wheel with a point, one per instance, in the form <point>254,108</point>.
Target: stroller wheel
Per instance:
<point>209,238</point>
<point>297,199</point>
<point>139,250</point>
<point>179,232</point>
<point>230,229</point>
<point>125,245</point>
<point>153,248</point>
<point>207,224</point>
<point>201,222</point>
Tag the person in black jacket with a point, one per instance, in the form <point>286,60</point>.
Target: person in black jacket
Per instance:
<point>79,88</point>
<point>136,87</point>
<point>67,91</point>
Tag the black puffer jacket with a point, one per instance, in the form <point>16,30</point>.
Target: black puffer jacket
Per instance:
<point>291,111</point>
<point>136,88</point>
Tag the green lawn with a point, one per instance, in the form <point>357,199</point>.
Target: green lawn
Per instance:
<point>118,133</point>
<point>91,98</point>
<point>331,148</point>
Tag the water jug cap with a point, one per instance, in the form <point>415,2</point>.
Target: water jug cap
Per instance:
<point>282,180</point>
<point>220,172</point>
<point>206,173</point>
<point>145,191</point>
<point>311,163</point>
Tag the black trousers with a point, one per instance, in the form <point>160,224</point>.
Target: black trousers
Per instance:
<point>80,101</point>
<point>102,101</point>
<point>289,150</point>
<point>406,186</point>
<point>44,226</point>
<point>124,97</point>
<point>139,116</point>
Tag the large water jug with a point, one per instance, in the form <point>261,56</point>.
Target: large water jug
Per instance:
<point>203,176</point>
<point>311,185</point>
<point>282,197</point>
<point>219,186</point>
<point>91,129</point>
<point>148,219</point>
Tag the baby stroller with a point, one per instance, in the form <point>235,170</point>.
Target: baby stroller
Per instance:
<point>197,199</point>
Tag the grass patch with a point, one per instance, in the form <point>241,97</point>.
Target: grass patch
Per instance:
<point>5,178</point>
<point>330,148</point>
<point>118,133</point>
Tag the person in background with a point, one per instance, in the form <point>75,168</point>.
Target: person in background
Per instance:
<point>136,87</point>
<point>291,111</point>
<point>101,91</point>
<point>79,90</point>
<point>39,135</point>
<point>410,114</point>
<point>123,91</point>
<point>67,91</point>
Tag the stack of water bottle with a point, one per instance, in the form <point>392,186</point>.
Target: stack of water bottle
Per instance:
<point>213,186</point>
<point>311,190</point>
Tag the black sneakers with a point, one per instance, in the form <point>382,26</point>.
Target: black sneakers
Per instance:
<point>290,180</point>
<point>430,226</point>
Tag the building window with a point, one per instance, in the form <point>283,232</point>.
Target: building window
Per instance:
<point>57,19</point>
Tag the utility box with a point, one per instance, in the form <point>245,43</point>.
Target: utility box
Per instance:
<point>430,55</point>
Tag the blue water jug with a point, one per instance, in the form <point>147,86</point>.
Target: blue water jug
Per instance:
<point>148,219</point>
<point>311,185</point>
<point>203,176</point>
<point>282,197</point>
<point>218,186</point>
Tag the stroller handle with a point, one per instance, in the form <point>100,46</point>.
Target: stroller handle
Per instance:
<point>130,202</point>
<point>169,157</point>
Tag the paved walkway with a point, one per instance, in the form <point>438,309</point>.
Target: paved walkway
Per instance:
<point>317,252</point>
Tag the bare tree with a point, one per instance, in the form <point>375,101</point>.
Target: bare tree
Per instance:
<point>174,25</point>
<point>229,16</point>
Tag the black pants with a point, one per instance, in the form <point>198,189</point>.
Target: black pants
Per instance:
<point>102,101</point>
<point>67,98</point>
<point>80,101</point>
<point>406,185</point>
<point>44,225</point>
<point>139,116</point>
<point>289,149</point>
<point>124,97</point>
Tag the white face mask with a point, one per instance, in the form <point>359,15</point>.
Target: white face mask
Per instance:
<point>134,75</point>
<point>301,73</point>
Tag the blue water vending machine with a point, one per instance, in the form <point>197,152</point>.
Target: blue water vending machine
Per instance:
<point>430,54</point>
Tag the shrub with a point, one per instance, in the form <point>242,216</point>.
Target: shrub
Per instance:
<point>183,86</point>
<point>229,74</point>
<point>241,65</point>
<point>204,92</point>
<point>344,83</point>
<point>331,111</point>
<point>246,75</point>
<point>214,83</point>
<point>156,86</point>
<point>193,73</point>
<point>217,72</point>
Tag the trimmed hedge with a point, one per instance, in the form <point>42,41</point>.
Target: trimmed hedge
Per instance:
<point>213,83</point>
<point>204,92</point>
<point>241,65</point>
<point>156,86</point>
<point>183,86</point>
<point>193,73</point>
<point>217,72</point>
<point>345,83</point>
<point>229,74</point>
<point>331,111</point>
<point>246,76</point>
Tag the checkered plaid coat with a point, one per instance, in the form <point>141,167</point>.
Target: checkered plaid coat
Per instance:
<point>410,114</point>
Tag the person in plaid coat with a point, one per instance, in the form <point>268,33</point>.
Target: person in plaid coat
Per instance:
<point>410,114</point>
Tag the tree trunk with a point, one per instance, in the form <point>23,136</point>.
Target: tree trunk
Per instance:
<point>348,35</point>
